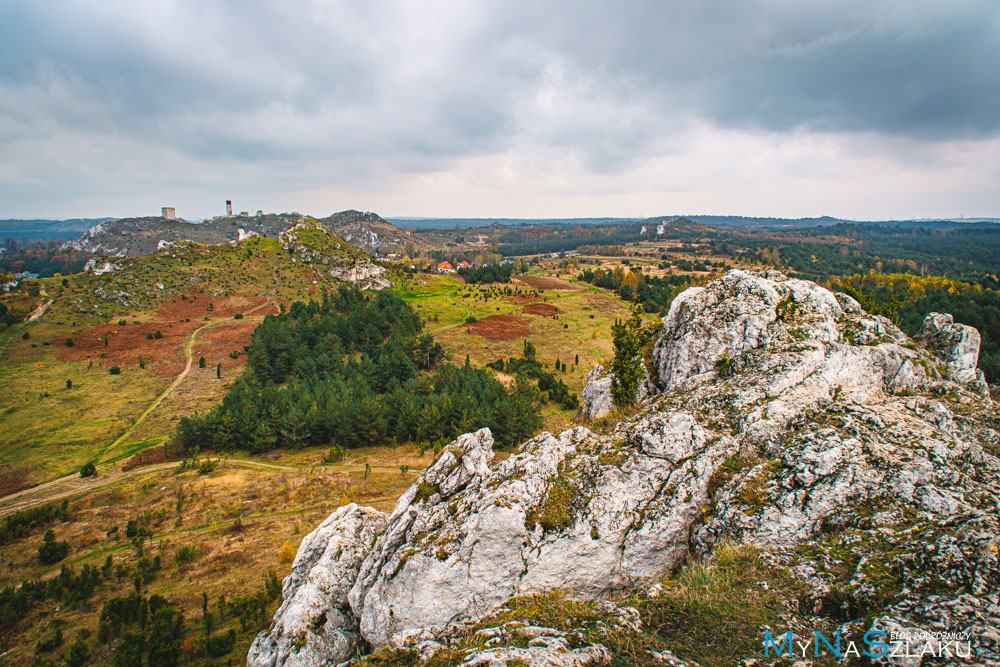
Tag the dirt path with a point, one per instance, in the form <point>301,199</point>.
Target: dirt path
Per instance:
<point>468,314</point>
<point>189,360</point>
<point>188,353</point>
<point>72,484</point>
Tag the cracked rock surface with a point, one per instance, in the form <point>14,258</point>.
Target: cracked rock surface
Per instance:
<point>865,464</point>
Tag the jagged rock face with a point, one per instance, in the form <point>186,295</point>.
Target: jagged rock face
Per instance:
<point>367,230</point>
<point>737,313</point>
<point>597,402</point>
<point>955,344</point>
<point>96,269</point>
<point>827,438</point>
<point>314,625</point>
<point>364,274</point>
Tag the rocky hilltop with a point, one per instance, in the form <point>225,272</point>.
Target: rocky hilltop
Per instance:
<point>312,242</point>
<point>369,231</point>
<point>862,463</point>
<point>138,237</point>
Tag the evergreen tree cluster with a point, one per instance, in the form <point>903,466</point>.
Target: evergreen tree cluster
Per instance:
<point>68,587</point>
<point>127,617</point>
<point>18,524</point>
<point>51,551</point>
<point>493,273</point>
<point>626,369</point>
<point>653,292</point>
<point>6,317</point>
<point>353,371</point>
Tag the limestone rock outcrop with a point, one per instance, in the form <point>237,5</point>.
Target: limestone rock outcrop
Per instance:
<point>596,394</point>
<point>597,399</point>
<point>314,625</point>
<point>957,345</point>
<point>788,418</point>
<point>312,242</point>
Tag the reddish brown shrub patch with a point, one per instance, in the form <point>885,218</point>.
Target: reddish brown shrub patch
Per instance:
<point>499,327</point>
<point>546,309</point>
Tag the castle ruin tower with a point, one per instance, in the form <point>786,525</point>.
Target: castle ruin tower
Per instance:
<point>229,208</point>
<point>168,212</point>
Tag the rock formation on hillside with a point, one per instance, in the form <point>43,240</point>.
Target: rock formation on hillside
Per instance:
<point>313,242</point>
<point>597,401</point>
<point>787,418</point>
<point>368,231</point>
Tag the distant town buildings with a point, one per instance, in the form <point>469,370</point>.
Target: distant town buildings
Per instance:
<point>169,212</point>
<point>463,265</point>
<point>445,267</point>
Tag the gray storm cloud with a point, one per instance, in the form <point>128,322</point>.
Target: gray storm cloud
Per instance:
<point>186,97</point>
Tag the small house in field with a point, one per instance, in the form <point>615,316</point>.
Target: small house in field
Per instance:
<point>463,265</point>
<point>446,267</point>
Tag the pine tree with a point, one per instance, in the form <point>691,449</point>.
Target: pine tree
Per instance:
<point>218,370</point>
<point>626,369</point>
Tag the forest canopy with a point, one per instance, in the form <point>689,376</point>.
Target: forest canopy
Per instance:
<point>353,370</point>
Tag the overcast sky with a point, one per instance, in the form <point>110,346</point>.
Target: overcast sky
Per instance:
<point>860,109</point>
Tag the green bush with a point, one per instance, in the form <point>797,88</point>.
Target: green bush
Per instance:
<point>115,370</point>
<point>88,469</point>
<point>51,551</point>
<point>219,645</point>
<point>186,554</point>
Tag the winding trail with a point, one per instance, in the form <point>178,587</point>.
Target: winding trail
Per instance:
<point>189,360</point>
<point>71,484</point>
<point>189,354</point>
<point>468,313</point>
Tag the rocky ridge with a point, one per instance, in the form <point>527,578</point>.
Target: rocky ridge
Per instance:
<point>142,236</point>
<point>312,242</point>
<point>786,417</point>
<point>368,230</point>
